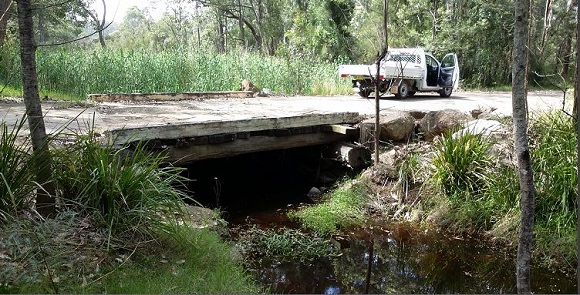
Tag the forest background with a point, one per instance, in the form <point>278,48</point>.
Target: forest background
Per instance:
<point>318,34</point>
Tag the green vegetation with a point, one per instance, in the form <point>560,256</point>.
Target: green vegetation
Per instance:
<point>189,261</point>
<point>460,163</point>
<point>80,72</point>
<point>341,208</point>
<point>16,171</point>
<point>120,188</point>
<point>553,144</point>
<point>285,245</point>
<point>120,227</point>
<point>489,189</point>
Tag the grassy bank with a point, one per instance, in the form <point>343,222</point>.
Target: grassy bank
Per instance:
<point>468,185</point>
<point>79,72</point>
<point>121,226</point>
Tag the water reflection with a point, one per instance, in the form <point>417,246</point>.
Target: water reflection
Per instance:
<point>407,260</point>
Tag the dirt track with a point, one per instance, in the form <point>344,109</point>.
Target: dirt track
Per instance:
<point>118,115</point>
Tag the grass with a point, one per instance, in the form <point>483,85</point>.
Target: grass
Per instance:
<point>460,163</point>
<point>123,189</point>
<point>185,260</point>
<point>116,229</point>
<point>189,261</point>
<point>17,166</point>
<point>78,72</point>
<point>483,195</point>
<point>553,145</point>
<point>342,208</point>
<point>285,245</point>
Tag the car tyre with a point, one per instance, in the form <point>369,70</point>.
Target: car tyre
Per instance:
<point>446,92</point>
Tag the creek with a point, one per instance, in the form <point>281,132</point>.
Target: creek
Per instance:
<point>406,259</point>
<point>258,189</point>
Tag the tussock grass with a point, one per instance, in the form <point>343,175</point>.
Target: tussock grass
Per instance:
<point>341,208</point>
<point>123,189</point>
<point>483,195</point>
<point>553,145</point>
<point>17,171</point>
<point>460,163</point>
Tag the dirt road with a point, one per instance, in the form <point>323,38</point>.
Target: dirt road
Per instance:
<point>118,115</point>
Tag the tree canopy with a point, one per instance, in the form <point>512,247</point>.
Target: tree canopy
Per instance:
<point>479,31</point>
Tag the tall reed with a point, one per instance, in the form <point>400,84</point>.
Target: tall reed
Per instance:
<point>79,72</point>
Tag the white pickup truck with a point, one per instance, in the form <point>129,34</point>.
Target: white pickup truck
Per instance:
<point>405,71</point>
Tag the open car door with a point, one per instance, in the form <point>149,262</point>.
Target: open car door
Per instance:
<point>449,72</point>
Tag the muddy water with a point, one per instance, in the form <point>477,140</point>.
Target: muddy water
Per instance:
<point>405,259</point>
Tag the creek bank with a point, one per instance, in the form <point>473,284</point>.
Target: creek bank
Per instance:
<point>400,190</point>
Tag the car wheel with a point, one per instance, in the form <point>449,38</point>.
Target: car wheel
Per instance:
<point>365,93</point>
<point>403,90</point>
<point>446,92</point>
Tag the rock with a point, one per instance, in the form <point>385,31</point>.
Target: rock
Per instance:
<point>437,122</point>
<point>482,112</point>
<point>390,162</point>
<point>249,86</point>
<point>479,126</point>
<point>314,194</point>
<point>396,126</point>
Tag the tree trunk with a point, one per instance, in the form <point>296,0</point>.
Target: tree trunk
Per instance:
<point>241,26</point>
<point>577,116</point>
<point>99,24</point>
<point>4,16</point>
<point>45,197</point>
<point>522,151</point>
<point>221,43</point>
<point>41,27</point>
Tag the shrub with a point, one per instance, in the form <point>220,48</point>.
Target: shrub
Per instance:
<point>460,164</point>
<point>122,188</point>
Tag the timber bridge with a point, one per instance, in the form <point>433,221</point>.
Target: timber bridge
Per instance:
<point>189,127</point>
<point>198,126</point>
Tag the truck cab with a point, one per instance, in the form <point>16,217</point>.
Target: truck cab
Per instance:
<point>405,71</point>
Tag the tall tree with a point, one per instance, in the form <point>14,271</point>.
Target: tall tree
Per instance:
<point>45,197</point>
<point>4,16</point>
<point>98,24</point>
<point>522,150</point>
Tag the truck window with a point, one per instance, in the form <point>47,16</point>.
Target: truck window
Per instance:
<point>448,62</point>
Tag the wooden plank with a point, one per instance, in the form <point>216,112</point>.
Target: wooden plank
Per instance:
<point>354,155</point>
<point>125,135</point>
<point>184,155</point>
<point>167,96</point>
<point>342,129</point>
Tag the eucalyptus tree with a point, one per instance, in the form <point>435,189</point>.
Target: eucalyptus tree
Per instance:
<point>259,17</point>
<point>5,14</point>
<point>329,25</point>
<point>521,147</point>
<point>45,200</point>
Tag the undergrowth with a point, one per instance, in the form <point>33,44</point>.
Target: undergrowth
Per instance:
<point>285,245</point>
<point>481,194</point>
<point>341,208</point>
<point>117,228</point>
